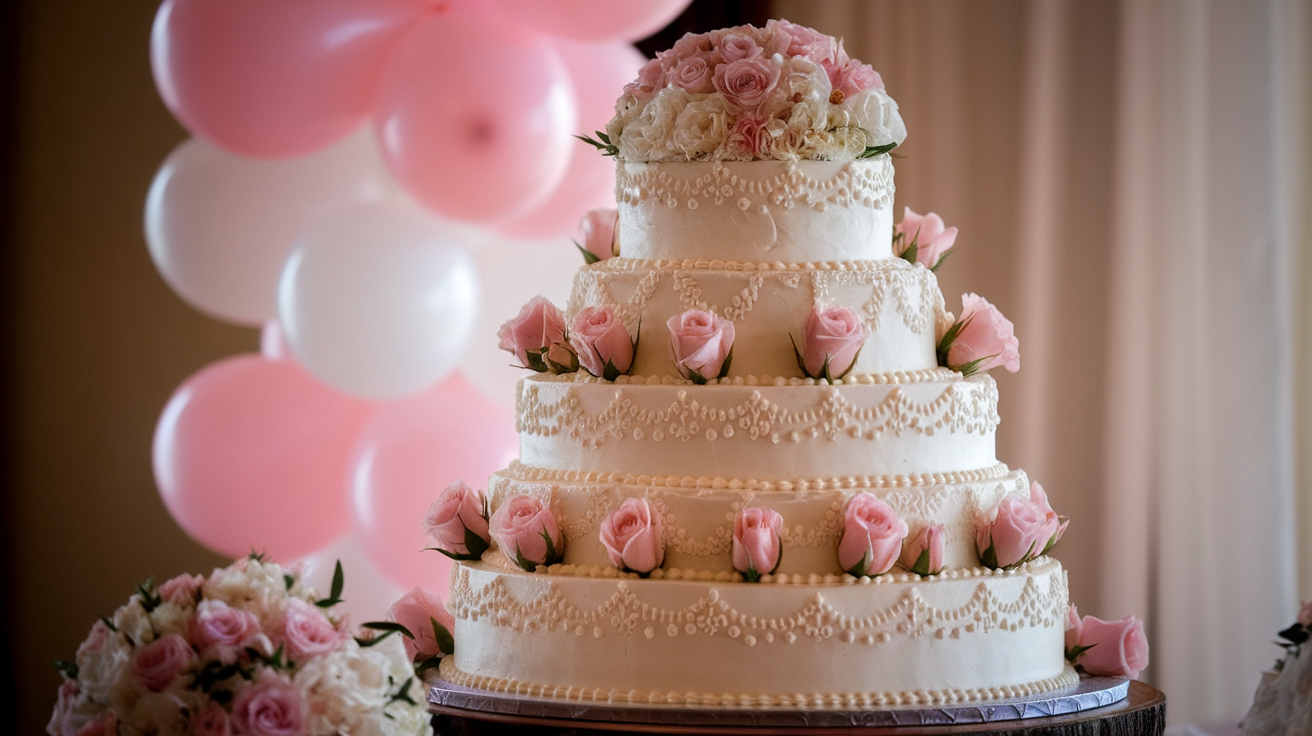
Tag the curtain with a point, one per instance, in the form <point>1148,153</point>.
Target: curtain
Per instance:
<point>1130,181</point>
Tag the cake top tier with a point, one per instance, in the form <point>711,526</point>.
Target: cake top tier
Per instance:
<point>784,92</point>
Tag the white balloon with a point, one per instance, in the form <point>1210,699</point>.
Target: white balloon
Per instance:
<point>378,300</point>
<point>220,226</point>
<point>367,594</point>
<point>512,272</point>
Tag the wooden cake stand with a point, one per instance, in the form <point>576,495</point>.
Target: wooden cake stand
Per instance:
<point>1098,705</point>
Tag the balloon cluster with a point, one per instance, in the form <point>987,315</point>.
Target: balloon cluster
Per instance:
<point>360,184</point>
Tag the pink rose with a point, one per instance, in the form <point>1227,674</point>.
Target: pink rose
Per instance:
<point>1305,614</point>
<point>927,233</point>
<point>634,537</point>
<point>222,632</point>
<point>703,344</point>
<point>531,334</point>
<point>747,82</point>
<point>749,136</point>
<point>272,707</point>
<point>690,44</point>
<point>307,632</point>
<point>803,41</point>
<point>834,336</point>
<point>694,74</point>
<point>923,553</point>
<point>737,46</point>
<point>597,231</point>
<point>984,340</point>
<point>651,78</point>
<point>182,589</point>
<point>417,610</point>
<point>1016,534</point>
<point>95,639</point>
<point>757,548</point>
<point>61,716</point>
<point>457,522</point>
<point>1072,628</point>
<point>872,536</point>
<point>1115,648</point>
<point>213,721</point>
<point>852,77</point>
<point>527,532</point>
<point>1056,524</point>
<point>603,345</point>
<point>157,664</point>
<point>97,727</point>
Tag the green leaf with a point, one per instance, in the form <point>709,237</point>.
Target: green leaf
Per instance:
<point>430,663</point>
<point>751,576</point>
<point>910,252</point>
<point>445,641</point>
<point>604,145</point>
<point>109,624</point>
<point>536,361</point>
<point>872,151</point>
<point>335,595</point>
<point>990,557</point>
<point>288,580</point>
<point>969,369</point>
<point>474,543</point>
<point>388,626</point>
<point>728,360</point>
<point>524,563</point>
<point>941,258</point>
<point>403,694</point>
<point>559,368</point>
<point>364,643</point>
<point>609,371</point>
<point>797,353</point>
<point>1074,652</point>
<point>696,378</point>
<point>553,554</point>
<point>861,568</point>
<point>922,563</point>
<point>257,555</point>
<point>149,600</point>
<point>66,668</point>
<point>451,555</point>
<point>589,257</point>
<point>1296,634</point>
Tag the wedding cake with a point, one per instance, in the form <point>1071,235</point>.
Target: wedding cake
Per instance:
<point>757,458</point>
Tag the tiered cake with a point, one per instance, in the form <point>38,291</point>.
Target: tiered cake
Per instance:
<point>762,239</point>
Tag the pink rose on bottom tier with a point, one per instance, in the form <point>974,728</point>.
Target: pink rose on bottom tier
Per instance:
<point>527,533</point>
<point>424,615</point>
<point>757,548</point>
<point>457,522</point>
<point>703,344</point>
<point>634,537</point>
<point>872,536</point>
<point>1110,648</point>
<point>923,553</point>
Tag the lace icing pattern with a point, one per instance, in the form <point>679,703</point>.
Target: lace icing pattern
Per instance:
<point>866,184</point>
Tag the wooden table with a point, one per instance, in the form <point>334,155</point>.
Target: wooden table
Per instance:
<point>1143,711</point>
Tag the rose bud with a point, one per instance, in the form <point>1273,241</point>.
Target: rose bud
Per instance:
<point>603,345</point>
<point>634,537</point>
<point>923,553</point>
<point>597,230</point>
<point>1112,648</point>
<point>527,533</point>
<point>457,522</point>
<point>872,537</point>
<point>531,334</point>
<point>423,614</point>
<point>833,339</point>
<point>703,345</point>
<point>980,340</point>
<point>561,358</point>
<point>757,548</point>
<point>1016,534</point>
<point>923,239</point>
<point>1072,631</point>
<point>1056,523</point>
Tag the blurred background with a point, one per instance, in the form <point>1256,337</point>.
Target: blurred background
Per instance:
<point>1131,184</point>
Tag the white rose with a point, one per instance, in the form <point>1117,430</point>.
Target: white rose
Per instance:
<point>844,143</point>
<point>702,126</point>
<point>160,713</point>
<point>170,618</point>
<point>133,622</point>
<point>876,113</point>
<point>99,670</point>
<point>655,126</point>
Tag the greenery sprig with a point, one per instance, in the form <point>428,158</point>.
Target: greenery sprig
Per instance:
<point>604,145</point>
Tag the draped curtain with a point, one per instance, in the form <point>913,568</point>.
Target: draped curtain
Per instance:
<point>1131,184</point>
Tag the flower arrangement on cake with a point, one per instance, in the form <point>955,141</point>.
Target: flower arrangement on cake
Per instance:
<point>1283,701</point>
<point>252,650</point>
<point>782,92</point>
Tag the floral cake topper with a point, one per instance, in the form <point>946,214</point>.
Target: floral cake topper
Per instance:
<point>784,92</point>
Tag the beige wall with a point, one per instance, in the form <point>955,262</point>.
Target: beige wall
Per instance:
<point>100,340</point>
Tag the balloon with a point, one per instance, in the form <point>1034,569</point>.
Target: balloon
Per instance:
<point>512,272</point>
<point>220,226</point>
<point>378,300</point>
<point>274,78</point>
<point>593,20</point>
<point>406,455</point>
<point>599,72</point>
<point>252,454</point>
<point>367,594</point>
<point>475,119</point>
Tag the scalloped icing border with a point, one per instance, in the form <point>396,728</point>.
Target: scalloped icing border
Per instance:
<point>920,375</point>
<point>865,183</point>
<point>453,674</point>
<point>624,264</point>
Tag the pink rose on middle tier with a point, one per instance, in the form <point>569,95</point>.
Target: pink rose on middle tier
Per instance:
<point>155,665</point>
<point>532,333</point>
<point>307,632</point>
<point>417,610</point>
<point>931,238</point>
<point>747,82</point>
<point>1018,533</point>
<point>457,522</point>
<point>1056,523</point>
<point>872,536</point>
<point>980,339</point>
<point>597,231</point>
<point>222,632</point>
<point>603,345</point>
<point>757,548</point>
<point>834,336</point>
<point>634,537</point>
<point>527,533</point>
<point>703,344</point>
<point>923,553</point>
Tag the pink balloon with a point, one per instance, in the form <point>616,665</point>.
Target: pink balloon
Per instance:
<point>593,20</point>
<point>406,455</point>
<point>252,454</point>
<point>274,78</point>
<point>599,72</point>
<point>474,117</point>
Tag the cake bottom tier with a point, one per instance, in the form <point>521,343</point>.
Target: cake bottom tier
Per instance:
<point>897,640</point>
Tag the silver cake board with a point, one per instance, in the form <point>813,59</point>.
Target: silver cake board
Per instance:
<point>1090,693</point>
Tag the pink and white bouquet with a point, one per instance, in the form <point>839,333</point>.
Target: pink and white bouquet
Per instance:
<point>783,92</point>
<point>247,650</point>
